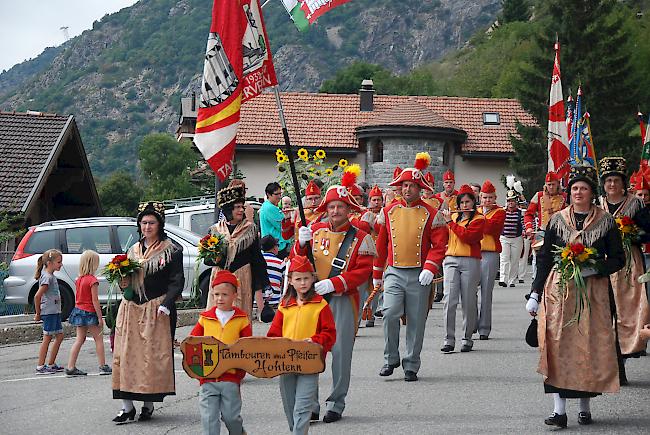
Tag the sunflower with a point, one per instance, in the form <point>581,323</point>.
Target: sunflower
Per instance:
<point>343,163</point>
<point>320,154</point>
<point>303,154</point>
<point>329,172</point>
<point>279,152</point>
<point>280,158</point>
<point>318,173</point>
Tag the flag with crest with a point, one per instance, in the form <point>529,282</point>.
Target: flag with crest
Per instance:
<point>581,148</point>
<point>306,12</point>
<point>558,150</point>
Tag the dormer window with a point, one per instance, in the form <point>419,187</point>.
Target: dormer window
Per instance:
<point>491,118</point>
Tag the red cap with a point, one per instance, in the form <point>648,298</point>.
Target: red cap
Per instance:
<point>642,183</point>
<point>337,193</point>
<point>415,174</point>
<point>448,176</point>
<point>551,176</point>
<point>225,276</point>
<point>301,263</point>
<point>375,191</point>
<point>488,187</point>
<point>465,188</point>
<point>396,172</point>
<point>428,177</point>
<point>312,189</point>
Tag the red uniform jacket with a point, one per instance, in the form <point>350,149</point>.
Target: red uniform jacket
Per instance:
<point>535,209</point>
<point>433,241</point>
<point>493,228</point>
<point>465,237</point>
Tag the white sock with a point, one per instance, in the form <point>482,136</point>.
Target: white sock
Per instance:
<point>148,405</point>
<point>127,405</point>
<point>583,404</point>
<point>559,404</point>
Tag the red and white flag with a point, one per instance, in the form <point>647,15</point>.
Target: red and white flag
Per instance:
<point>558,143</point>
<point>238,66</point>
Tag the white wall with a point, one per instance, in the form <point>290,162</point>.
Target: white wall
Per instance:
<point>479,170</point>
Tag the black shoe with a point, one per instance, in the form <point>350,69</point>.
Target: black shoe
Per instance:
<point>410,376</point>
<point>503,284</point>
<point>521,281</point>
<point>438,297</point>
<point>556,420</point>
<point>584,418</point>
<point>387,369</point>
<point>512,285</point>
<point>145,414</point>
<point>483,337</point>
<point>123,416</point>
<point>379,314</point>
<point>447,348</point>
<point>331,417</point>
<point>466,348</point>
<point>314,416</point>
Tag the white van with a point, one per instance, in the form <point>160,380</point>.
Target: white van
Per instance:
<point>197,218</point>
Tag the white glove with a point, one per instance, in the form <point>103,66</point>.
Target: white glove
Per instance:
<point>163,310</point>
<point>324,287</point>
<point>426,277</point>
<point>532,305</point>
<point>376,283</point>
<point>304,235</point>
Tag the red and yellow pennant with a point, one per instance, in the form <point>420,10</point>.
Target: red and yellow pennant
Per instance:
<point>238,66</point>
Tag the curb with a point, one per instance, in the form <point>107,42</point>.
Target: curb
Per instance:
<point>29,331</point>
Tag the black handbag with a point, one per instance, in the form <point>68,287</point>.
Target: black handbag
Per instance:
<point>531,334</point>
<point>267,313</point>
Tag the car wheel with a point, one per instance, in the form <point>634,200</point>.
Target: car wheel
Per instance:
<point>204,287</point>
<point>67,300</point>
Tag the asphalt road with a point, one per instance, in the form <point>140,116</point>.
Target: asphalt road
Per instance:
<point>494,389</point>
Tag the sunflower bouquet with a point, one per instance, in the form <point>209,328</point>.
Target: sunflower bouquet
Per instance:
<point>308,167</point>
<point>121,266</point>
<point>572,262</point>
<point>630,233</point>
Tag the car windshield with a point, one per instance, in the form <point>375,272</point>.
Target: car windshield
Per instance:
<point>186,235</point>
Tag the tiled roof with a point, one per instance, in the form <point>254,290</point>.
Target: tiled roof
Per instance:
<point>330,120</point>
<point>409,114</point>
<point>26,141</point>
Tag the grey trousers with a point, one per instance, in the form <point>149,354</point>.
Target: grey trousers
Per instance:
<point>220,400</point>
<point>489,269</point>
<point>403,294</point>
<point>298,392</point>
<point>461,278</point>
<point>346,329</point>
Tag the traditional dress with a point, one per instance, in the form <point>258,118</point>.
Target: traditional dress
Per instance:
<point>579,359</point>
<point>143,360</point>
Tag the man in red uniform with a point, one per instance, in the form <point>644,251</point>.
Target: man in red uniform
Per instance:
<point>411,242</point>
<point>544,204</point>
<point>292,222</point>
<point>447,197</point>
<point>343,255</point>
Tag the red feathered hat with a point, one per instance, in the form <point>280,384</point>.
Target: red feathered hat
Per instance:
<point>488,187</point>
<point>465,188</point>
<point>415,174</point>
<point>375,191</point>
<point>551,176</point>
<point>312,189</point>
<point>301,263</point>
<point>337,193</point>
<point>349,179</point>
<point>396,172</point>
<point>428,177</point>
<point>448,176</point>
<point>225,277</point>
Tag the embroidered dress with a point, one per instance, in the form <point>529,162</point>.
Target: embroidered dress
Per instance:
<point>143,361</point>
<point>632,309</point>
<point>578,360</point>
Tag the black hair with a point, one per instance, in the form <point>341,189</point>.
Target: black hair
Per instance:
<point>268,242</point>
<point>228,208</point>
<point>161,223</point>
<point>472,213</point>
<point>271,188</point>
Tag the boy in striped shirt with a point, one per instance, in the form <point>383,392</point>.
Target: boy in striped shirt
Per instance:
<point>274,268</point>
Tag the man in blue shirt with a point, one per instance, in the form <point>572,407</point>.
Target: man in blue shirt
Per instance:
<point>271,217</point>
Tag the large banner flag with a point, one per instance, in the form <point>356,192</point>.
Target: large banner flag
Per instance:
<point>581,148</point>
<point>645,153</point>
<point>305,12</point>
<point>642,125</point>
<point>238,66</point>
<point>558,149</point>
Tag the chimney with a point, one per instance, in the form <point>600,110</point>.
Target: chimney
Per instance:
<point>193,101</point>
<point>366,96</point>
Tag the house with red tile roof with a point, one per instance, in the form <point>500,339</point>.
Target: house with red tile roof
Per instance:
<point>467,135</point>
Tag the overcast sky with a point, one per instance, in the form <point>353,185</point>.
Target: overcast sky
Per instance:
<point>29,26</point>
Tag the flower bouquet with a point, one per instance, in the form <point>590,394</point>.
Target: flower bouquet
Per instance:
<point>308,167</point>
<point>572,262</point>
<point>211,248</point>
<point>121,266</point>
<point>630,234</point>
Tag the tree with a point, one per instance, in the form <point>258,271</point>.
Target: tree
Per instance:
<point>120,194</point>
<point>348,80</point>
<point>166,165</point>
<point>514,10</point>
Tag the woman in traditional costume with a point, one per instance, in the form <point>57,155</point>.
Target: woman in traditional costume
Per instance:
<point>577,357</point>
<point>243,255</point>
<point>143,360</point>
<point>632,309</point>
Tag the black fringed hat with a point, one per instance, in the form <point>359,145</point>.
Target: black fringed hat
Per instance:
<point>612,166</point>
<point>155,208</point>
<point>583,173</point>
<point>230,195</point>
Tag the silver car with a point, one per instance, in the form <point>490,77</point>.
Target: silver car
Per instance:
<point>108,236</point>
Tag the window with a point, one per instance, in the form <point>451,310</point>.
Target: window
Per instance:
<point>491,118</point>
<point>201,222</point>
<point>96,238</point>
<point>127,236</point>
<point>41,241</point>
<point>174,219</point>
<point>378,152</point>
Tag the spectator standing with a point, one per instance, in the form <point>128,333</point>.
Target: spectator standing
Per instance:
<point>271,216</point>
<point>512,241</point>
<point>274,268</point>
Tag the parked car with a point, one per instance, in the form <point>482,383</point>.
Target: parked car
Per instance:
<point>198,218</point>
<point>108,236</point>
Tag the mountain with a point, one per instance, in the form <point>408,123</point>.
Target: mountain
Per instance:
<point>124,78</point>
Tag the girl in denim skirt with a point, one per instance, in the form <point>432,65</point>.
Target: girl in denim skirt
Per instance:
<point>87,314</point>
<point>47,303</point>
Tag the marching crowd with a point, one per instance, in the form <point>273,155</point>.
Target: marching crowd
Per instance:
<point>366,252</point>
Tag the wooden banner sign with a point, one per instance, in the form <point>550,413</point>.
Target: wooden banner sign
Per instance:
<point>262,357</point>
